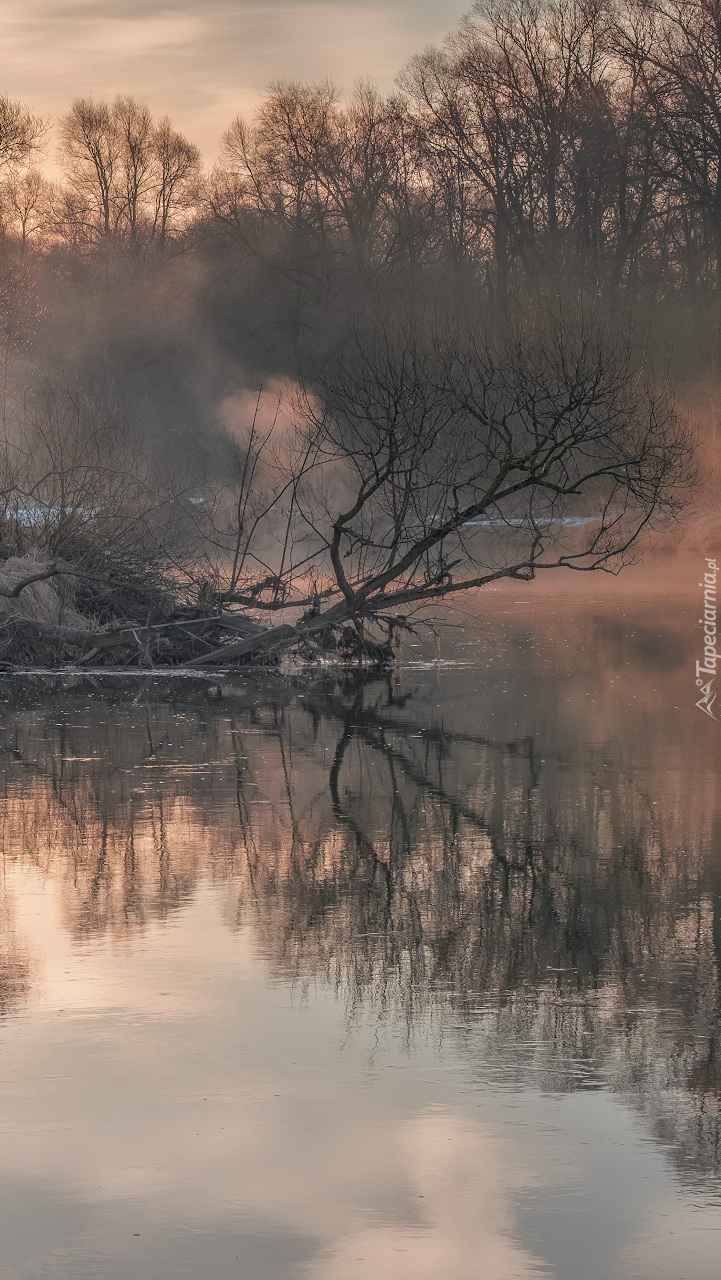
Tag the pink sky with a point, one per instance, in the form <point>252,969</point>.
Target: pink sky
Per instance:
<point>202,61</point>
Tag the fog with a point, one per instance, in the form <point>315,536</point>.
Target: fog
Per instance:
<point>528,223</point>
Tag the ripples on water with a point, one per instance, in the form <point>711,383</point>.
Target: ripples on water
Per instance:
<point>417,977</point>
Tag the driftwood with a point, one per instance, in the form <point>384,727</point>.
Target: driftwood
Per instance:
<point>184,641</point>
<point>257,646</point>
<point>41,623</point>
<point>174,641</point>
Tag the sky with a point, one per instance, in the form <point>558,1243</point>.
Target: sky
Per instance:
<point>203,61</point>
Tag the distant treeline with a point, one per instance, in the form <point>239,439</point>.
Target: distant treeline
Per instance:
<point>543,136</point>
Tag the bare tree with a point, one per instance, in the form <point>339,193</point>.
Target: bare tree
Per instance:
<point>676,47</point>
<point>176,179</point>
<point>133,126</point>
<point>26,205</point>
<point>71,473</point>
<point>126,176</point>
<point>430,458</point>
<point>343,181</point>
<point>90,154</point>
<point>533,435</point>
<point>21,132</point>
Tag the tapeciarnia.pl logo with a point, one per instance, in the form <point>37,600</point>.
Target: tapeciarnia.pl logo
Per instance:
<point>710,656</point>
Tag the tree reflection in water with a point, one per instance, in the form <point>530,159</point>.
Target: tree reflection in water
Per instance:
<point>559,913</point>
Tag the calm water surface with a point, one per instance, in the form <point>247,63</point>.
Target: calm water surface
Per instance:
<point>418,978</point>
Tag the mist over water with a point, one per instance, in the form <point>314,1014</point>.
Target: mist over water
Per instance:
<point>395,953</point>
<point>395,977</point>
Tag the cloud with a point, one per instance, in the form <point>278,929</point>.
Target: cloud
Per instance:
<point>187,1096</point>
<point>466,1179</point>
<point>203,61</point>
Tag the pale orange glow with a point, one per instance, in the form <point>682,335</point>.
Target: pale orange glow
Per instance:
<point>202,63</point>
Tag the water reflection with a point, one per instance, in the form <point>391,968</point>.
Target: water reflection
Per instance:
<point>518,857</point>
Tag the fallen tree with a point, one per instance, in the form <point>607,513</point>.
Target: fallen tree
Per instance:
<point>421,460</point>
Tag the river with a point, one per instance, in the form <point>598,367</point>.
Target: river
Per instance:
<point>311,976</point>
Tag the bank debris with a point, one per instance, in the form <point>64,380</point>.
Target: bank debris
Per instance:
<point>55,615</point>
